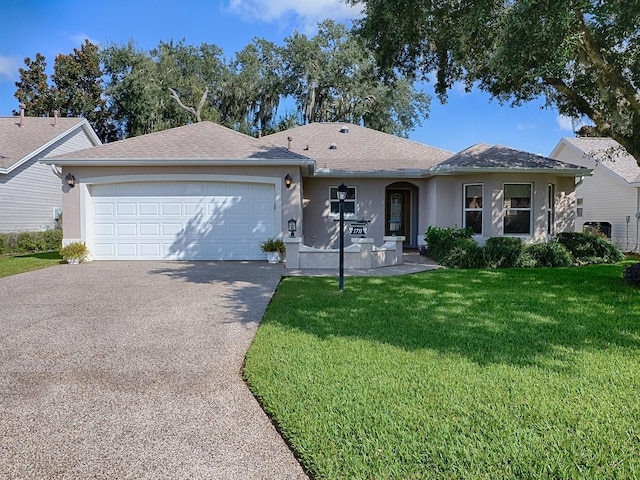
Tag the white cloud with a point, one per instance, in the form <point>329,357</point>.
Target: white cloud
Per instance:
<point>9,68</point>
<point>526,126</point>
<point>79,38</point>
<point>569,123</point>
<point>310,11</point>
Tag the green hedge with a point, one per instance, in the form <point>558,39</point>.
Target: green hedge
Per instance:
<point>30,242</point>
<point>454,247</point>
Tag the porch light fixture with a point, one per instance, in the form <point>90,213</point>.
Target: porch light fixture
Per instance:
<point>342,194</point>
<point>394,226</point>
<point>71,180</point>
<point>293,226</point>
<point>288,180</point>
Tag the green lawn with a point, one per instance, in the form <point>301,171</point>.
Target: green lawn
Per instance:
<point>521,373</point>
<point>11,265</point>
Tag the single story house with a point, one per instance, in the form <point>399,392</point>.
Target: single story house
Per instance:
<point>203,191</point>
<point>608,200</point>
<point>30,192</point>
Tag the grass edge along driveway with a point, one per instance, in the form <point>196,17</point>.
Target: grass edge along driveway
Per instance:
<point>14,264</point>
<point>520,373</point>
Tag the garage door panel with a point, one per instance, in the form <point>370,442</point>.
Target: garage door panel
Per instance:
<point>127,229</point>
<point>182,220</point>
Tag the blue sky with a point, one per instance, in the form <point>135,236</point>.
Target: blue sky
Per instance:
<point>48,27</point>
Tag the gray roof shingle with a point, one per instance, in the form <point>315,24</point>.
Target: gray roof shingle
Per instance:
<point>19,142</point>
<point>610,154</point>
<point>483,156</point>
<point>197,141</point>
<point>358,149</point>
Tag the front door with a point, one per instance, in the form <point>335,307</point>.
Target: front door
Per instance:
<point>398,210</point>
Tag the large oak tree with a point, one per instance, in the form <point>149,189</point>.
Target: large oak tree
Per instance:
<point>582,56</point>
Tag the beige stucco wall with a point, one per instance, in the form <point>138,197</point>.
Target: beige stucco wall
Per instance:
<point>449,210</point>
<point>321,230</point>
<point>439,202</point>
<point>73,211</point>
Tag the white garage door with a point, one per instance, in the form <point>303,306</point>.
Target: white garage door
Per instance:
<point>181,220</point>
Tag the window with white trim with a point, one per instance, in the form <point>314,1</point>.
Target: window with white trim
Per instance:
<point>579,207</point>
<point>517,208</point>
<point>349,202</point>
<point>551,209</point>
<point>472,218</point>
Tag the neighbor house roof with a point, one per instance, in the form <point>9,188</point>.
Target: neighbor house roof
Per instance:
<point>610,154</point>
<point>200,143</point>
<point>20,142</point>
<point>486,158</point>
<point>345,148</point>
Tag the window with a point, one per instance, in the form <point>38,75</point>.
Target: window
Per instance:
<point>473,207</point>
<point>349,202</point>
<point>579,203</point>
<point>551,209</point>
<point>517,209</point>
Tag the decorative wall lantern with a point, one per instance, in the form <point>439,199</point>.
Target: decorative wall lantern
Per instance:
<point>293,226</point>
<point>394,226</point>
<point>71,180</point>
<point>288,181</point>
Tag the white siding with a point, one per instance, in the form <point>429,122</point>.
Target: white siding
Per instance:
<point>30,193</point>
<point>606,198</point>
<point>28,196</point>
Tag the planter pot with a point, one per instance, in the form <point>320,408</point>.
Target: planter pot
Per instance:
<point>273,257</point>
<point>73,261</point>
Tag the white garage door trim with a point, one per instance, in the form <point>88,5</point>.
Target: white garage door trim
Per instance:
<point>86,203</point>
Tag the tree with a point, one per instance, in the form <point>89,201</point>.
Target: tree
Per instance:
<point>33,89</point>
<point>582,56</point>
<point>170,85</point>
<point>75,89</point>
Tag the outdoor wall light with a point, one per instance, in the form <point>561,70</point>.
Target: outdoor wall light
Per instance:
<point>293,226</point>
<point>288,180</point>
<point>71,180</point>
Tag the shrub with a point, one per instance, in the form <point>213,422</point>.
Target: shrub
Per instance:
<point>52,239</point>
<point>3,243</point>
<point>29,242</point>
<point>632,274</point>
<point>441,240</point>
<point>466,253</point>
<point>502,252</point>
<point>273,244</point>
<point>74,251</point>
<point>547,254</point>
<point>587,248</point>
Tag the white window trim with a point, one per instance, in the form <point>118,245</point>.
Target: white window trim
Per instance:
<point>354,201</point>
<point>530,209</point>
<point>551,210</point>
<point>465,209</point>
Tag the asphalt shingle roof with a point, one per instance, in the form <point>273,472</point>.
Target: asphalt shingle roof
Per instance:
<point>610,154</point>
<point>358,149</point>
<point>483,156</point>
<point>203,140</point>
<point>18,142</point>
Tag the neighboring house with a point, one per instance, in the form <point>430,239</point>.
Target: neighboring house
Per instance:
<point>610,199</point>
<point>203,191</point>
<point>30,192</point>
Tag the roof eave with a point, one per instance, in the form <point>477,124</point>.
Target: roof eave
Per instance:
<point>412,173</point>
<point>146,162</point>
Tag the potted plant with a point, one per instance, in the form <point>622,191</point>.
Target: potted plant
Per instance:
<point>274,248</point>
<point>74,252</point>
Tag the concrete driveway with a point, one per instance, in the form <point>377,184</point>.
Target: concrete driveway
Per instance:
<point>132,370</point>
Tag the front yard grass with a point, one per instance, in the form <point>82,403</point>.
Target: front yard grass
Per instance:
<point>450,374</point>
<point>14,264</point>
